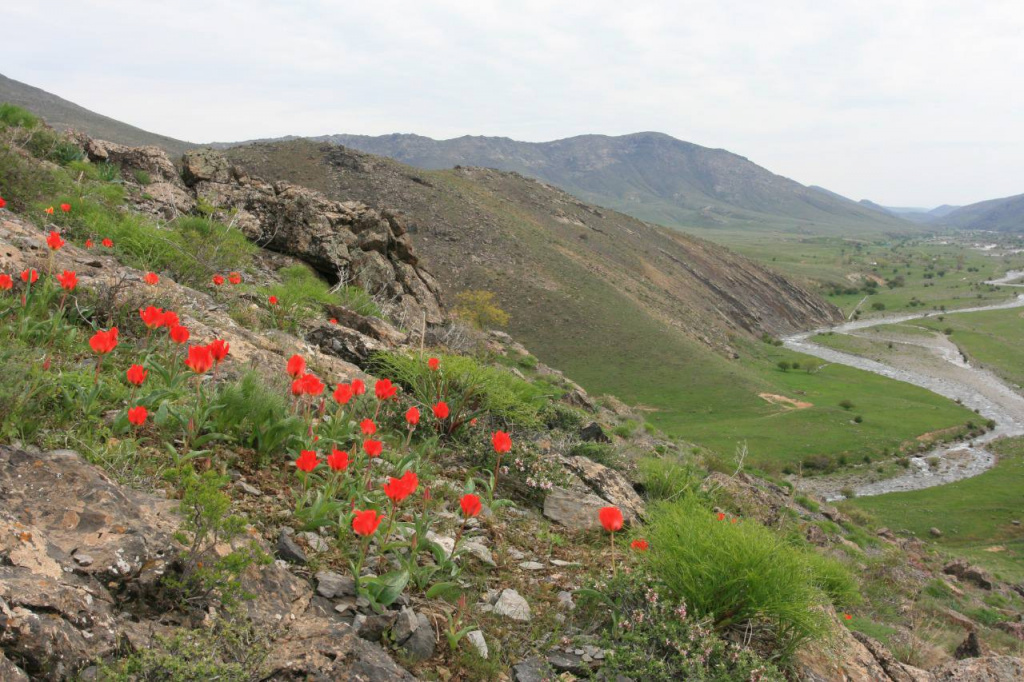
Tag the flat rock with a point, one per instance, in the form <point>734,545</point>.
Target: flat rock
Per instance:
<point>476,638</point>
<point>289,550</point>
<point>576,510</point>
<point>610,485</point>
<point>330,584</point>
<point>533,669</point>
<point>512,605</point>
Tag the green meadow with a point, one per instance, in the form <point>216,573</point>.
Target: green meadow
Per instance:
<point>994,338</point>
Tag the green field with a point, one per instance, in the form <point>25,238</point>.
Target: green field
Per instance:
<point>932,274</point>
<point>994,338</point>
<point>975,515</point>
<point>715,402</point>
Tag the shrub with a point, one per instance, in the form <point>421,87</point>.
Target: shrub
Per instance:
<point>561,416</point>
<point>668,478</point>
<point>141,176</point>
<point>602,453</point>
<point>846,404</point>
<point>784,365</point>
<point>626,429</point>
<point>478,308</point>
<point>257,415</point>
<point>359,300</point>
<point>16,117</point>
<point>742,575</point>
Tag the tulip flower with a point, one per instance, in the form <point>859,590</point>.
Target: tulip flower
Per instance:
<point>54,241</point>
<point>611,519</point>
<point>337,460</point>
<point>66,208</point>
<point>2,202</point>
<point>48,210</point>
<point>30,276</point>
<point>136,375</point>
<point>199,359</point>
<point>368,427</point>
<point>152,317</point>
<point>6,283</point>
<point>343,394</point>
<point>296,366</point>
<point>358,387</point>
<point>501,441</point>
<point>471,507</point>
<point>108,243</point>
<point>385,390</point>
<point>412,416</point>
<point>137,415</point>
<point>307,461</point>
<point>639,545</point>
<point>720,516</point>
<point>441,410</point>
<point>235,278</point>
<point>373,448</point>
<point>169,319</point>
<point>179,334</point>
<point>218,280</point>
<point>434,364</point>
<point>68,280</point>
<point>272,300</point>
<point>102,342</point>
<point>151,278</point>
<point>219,349</point>
<point>89,244</point>
<point>333,320</point>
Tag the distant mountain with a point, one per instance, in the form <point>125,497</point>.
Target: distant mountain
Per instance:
<point>999,215</point>
<point>651,176</point>
<point>913,214</point>
<point>65,115</point>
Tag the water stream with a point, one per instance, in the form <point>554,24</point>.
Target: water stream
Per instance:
<point>976,388</point>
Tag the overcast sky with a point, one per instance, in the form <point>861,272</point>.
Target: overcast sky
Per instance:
<point>909,103</point>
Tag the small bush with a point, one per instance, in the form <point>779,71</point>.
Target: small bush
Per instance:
<point>141,176</point>
<point>668,478</point>
<point>741,575</point>
<point>16,117</point>
<point>846,404</point>
<point>784,365</point>
<point>602,453</point>
<point>479,309</point>
<point>626,429</point>
<point>562,416</point>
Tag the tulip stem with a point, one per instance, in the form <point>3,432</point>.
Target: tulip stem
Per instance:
<point>612,537</point>
<point>458,537</point>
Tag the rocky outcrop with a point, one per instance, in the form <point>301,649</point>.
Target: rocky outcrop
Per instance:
<point>79,554</point>
<point>346,242</point>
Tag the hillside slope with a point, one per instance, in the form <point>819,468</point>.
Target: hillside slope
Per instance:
<point>648,175</point>
<point>999,215</point>
<point>65,115</point>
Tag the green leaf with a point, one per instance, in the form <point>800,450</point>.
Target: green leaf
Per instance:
<point>447,591</point>
<point>387,588</point>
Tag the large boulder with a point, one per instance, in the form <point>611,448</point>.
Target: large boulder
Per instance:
<point>610,485</point>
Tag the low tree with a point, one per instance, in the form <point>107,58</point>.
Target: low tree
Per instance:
<point>478,308</point>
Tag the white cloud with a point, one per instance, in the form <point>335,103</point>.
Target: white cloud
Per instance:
<point>906,103</point>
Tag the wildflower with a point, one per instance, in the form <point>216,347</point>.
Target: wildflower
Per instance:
<point>54,241</point>
<point>434,364</point>
<point>68,280</point>
<point>6,283</point>
<point>373,447</point>
<point>297,387</point>
<point>343,394</point>
<point>169,319</point>
<point>385,390</point>
<point>179,334</point>
<point>307,461</point>
<point>152,316</point>
<point>107,243</point>
<point>441,410</point>
<point>218,280</point>
<point>847,616</point>
<point>219,349</point>
<point>89,244</point>
<point>397,489</point>
<point>136,374</point>
<point>296,366</point>
<point>365,523</point>
<point>470,504</point>
<point>333,320</point>
<point>137,415</point>
<point>611,518</point>
<point>102,342</point>
<point>48,210</point>
<point>66,208</point>
<point>151,278</point>
<point>311,384</point>
<point>368,427</point>
<point>199,359</point>
<point>502,441</point>
<point>639,545</point>
<point>412,416</point>
<point>2,202</point>
<point>358,387</point>
<point>235,278</point>
<point>721,516</point>
<point>272,300</point>
<point>30,276</point>
<point>337,460</point>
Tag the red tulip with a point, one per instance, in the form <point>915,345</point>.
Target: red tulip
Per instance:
<point>441,410</point>
<point>272,300</point>
<point>470,504</point>
<point>107,242</point>
<point>311,385</point>
<point>179,334</point>
<point>847,616</point>
<point>219,349</point>
<point>169,319</point>
<point>152,317</point>
<point>68,280</point>
<point>639,545</point>
<point>296,366</point>
<point>358,387</point>
<point>368,427</point>
<point>102,342</point>
<point>151,278</point>
<point>333,320</point>
<point>30,276</point>
<point>412,416</point>
<point>136,374</point>
<point>385,390</point>
<point>199,359</point>
<point>397,489</point>
<point>721,516</point>
<point>89,244</point>
<point>54,241</point>
<point>2,202</point>
<point>343,393</point>
<point>137,415</point>
<point>235,278</point>
<point>434,364</point>
<point>66,208</point>
<point>501,441</point>
<point>611,518</point>
<point>365,523</point>
<point>307,461</point>
<point>337,460</point>
<point>6,283</point>
<point>373,447</point>
<point>297,387</point>
<point>218,280</point>
<point>48,210</point>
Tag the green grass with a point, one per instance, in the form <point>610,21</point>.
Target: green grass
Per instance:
<point>993,338</point>
<point>974,515</point>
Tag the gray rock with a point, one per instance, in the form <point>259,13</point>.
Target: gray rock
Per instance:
<point>533,669</point>
<point>248,489</point>
<point>610,485</point>
<point>288,550</point>
<point>565,601</point>
<point>405,625</point>
<point>476,638</point>
<point>575,510</point>
<point>594,433</point>
<point>419,644</point>
<point>532,566</point>
<point>969,648</point>
<point>965,571</point>
<point>935,532</point>
<point>512,605</point>
<point>314,541</point>
<point>331,584</point>
<point>373,627</point>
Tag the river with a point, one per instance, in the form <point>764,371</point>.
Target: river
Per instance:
<point>976,388</point>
